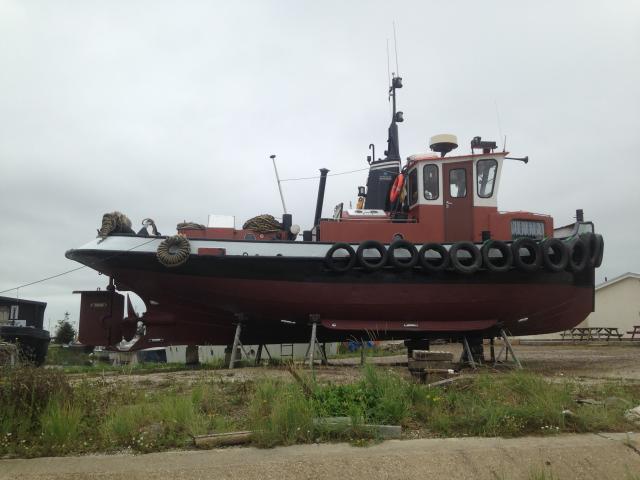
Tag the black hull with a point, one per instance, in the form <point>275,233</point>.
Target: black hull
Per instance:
<point>199,301</point>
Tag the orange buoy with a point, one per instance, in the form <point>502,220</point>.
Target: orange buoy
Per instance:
<point>396,188</point>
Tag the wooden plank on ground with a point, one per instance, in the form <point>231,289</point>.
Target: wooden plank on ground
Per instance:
<point>222,439</point>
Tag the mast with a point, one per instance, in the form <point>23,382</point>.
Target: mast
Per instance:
<point>383,171</point>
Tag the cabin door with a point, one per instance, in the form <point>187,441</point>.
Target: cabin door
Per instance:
<point>458,201</point>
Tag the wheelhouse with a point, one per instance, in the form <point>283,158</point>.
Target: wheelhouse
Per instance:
<point>448,199</point>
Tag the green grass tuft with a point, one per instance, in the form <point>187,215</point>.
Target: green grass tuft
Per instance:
<point>61,424</point>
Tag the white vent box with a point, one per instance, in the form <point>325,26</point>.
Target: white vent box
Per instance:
<point>221,221</point>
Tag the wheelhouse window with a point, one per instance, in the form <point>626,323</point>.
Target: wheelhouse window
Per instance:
<point>458,182</point>
<point>527,229</point>
<point>486,173</point>
<point>430,182</point>
<point>413,186</point>
<point>4,315</point>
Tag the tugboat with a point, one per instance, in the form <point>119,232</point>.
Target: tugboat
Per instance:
<point>425,254</point>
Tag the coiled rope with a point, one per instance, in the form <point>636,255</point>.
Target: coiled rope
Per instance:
<point>263,224</point>
<point>114,222</point>
<point>174,251</point>
<point>191,226</point>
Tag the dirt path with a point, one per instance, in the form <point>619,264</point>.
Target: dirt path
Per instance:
<point>589,456</point>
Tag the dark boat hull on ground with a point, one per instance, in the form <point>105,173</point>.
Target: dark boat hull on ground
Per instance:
<point>33,343</point>
<point>198,302</point>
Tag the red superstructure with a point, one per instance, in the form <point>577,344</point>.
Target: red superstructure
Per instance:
<point>441,214</point>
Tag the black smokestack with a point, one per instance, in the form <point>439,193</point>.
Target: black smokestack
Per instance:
<point>323,182</point>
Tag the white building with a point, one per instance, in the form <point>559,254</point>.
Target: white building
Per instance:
<point>617,305</point>
<point>211,353</point>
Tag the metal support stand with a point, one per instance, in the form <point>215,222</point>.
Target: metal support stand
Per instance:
<point>259,353</point>
<point>313,344</point>
<point>237,343</point>
<point>466,352</point>
<point>492,349</point>
<point>506,348</point>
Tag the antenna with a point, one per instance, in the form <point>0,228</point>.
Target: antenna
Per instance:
<point>395,46</point>
<point>273,159</point>
<point>495,102</point>
<point>388,66</point>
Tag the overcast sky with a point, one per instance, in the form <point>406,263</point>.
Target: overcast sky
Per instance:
<point>170,110</point>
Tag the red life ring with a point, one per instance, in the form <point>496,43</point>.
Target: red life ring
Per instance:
<point>396,188</point>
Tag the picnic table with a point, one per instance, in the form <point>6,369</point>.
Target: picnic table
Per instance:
<point>634,332</point>
<point>593,333</point>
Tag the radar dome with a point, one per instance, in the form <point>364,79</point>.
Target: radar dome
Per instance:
<point>443,143</point>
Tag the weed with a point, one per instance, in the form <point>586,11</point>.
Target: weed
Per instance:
<point>29,390</point>
<point>542,474</point>
<point>280,414</point>
<point>380,397</point>
<point>61,426</point>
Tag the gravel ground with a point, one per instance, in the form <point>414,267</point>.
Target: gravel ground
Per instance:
<point>588,363</point>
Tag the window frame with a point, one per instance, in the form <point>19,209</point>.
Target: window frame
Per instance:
<point>466,186</point>
<point>495,176</point>
<point>409,191</point>
<point>424,177</point>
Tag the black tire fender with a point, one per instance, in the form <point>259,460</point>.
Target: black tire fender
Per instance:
<point>368,264</point>
<point>464,266</point>
<point>534,259</point>
<point>336,264</point>
<point>432,265</point>
<point>503,264</point>
<point>402,263</point>
<point>578,255</point>
<point>555,254</point>
<point>600,254</point>
<point>591,242</point>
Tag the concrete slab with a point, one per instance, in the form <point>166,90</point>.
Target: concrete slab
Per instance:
<point>588,456</point>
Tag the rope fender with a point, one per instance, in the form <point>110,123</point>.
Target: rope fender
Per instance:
<point>114,222</point>
<point>190,226</point>
<point>263,224</point>
<point>174,251</point>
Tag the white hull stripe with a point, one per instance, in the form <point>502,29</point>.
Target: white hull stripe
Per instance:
<point>269,249</point>
<point>380,166</point>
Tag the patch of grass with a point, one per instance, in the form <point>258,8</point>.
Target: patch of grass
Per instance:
<point>381,397</point>
<point>61,424</point>
<point>59,355</point>
<point>28,390</point>
<point>140,368</point>
<point>507,405</point>
<point>43,414</point>
<point>629,475</point>
<point>279,413</point>
<point>542,474</point>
